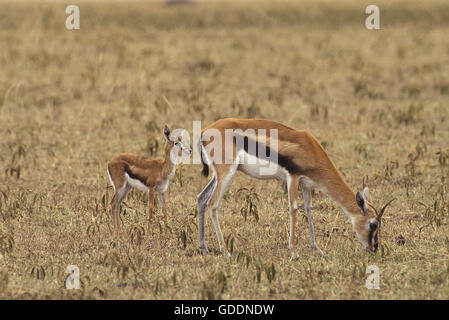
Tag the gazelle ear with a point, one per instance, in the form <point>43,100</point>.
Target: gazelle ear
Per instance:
<point>365,194</point>
<point>167,132</point>
<point>360,202</point>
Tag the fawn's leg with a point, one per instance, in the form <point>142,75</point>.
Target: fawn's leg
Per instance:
<point>163,208</point>
<point>121,194</point>
<point>116,174</point>
<point>150,207</point>
<point>113,204</point>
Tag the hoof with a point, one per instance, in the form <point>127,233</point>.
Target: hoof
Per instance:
<point>204,250</point>
<point>318,251</point>
<point>223,252</point>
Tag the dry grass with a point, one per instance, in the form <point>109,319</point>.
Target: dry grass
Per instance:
<point>70,100</point>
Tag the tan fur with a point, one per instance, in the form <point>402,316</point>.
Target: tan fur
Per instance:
<point>316,170</point>
<point>155,174</point>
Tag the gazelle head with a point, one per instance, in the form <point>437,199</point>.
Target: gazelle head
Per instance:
<point>367,225</point>
<point>175,144</point>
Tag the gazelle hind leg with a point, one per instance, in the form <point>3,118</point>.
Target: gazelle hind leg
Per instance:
<point>114,198</point>
<point>116,174</point>
<point>307,194</point>
<point>292,187</point>
<point>203,198</point>
<point>224,178</point>
<point>121,194</point>
<point>113,204</point>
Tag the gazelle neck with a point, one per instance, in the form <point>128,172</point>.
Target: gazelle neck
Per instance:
<point>169,163</point>
<point>331,182</point>
<point>345,197</point>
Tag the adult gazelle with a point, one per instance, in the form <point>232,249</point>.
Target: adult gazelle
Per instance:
<point>266,149</point>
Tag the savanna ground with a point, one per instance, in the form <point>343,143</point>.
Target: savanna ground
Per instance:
<point>69,100</point>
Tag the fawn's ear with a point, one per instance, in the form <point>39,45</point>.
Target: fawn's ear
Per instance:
<point>167,133</point>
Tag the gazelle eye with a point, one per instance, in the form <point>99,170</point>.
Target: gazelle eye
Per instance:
<point>373,226</point>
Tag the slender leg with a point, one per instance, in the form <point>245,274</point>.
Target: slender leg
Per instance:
<point>121,195</point>
<point>203,198</point>
<point>162,204</point>
<point>224,177</point>
<point>116,174</point>
<point>163,209</point>
<point>213,213</point>
<point>308,206</point>
<point>113,204</point>
<point>292,187</point>
<point>150,208</point>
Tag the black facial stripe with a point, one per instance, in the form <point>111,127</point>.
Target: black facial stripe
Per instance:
<point>372,235</point>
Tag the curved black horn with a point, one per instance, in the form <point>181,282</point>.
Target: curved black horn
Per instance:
<point>383,209</point>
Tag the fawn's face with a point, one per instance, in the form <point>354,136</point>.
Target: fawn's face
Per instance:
<point>181,148</point>
<point>367,225</point>
<point>176,145</point>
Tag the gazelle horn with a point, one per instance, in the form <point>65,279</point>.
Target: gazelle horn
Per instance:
<point>383,209</point>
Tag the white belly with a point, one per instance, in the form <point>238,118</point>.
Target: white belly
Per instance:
<point>136,183</point>
<point>260,168</point>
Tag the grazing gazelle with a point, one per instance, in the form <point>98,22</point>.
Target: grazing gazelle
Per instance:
<point>299,159</point>
<point>129,170</point>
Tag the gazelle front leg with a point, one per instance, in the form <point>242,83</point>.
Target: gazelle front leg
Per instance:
<point>162,204</point>
<point>163,208</point>
<point>150,207</point>
<point>292,187</point>
<point>307,194</point>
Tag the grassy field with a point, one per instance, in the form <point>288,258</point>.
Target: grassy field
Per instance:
<point>70,100</point>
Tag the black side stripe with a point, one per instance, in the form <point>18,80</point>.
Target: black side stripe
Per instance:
<point>268,153</point>
<point>132,175</point>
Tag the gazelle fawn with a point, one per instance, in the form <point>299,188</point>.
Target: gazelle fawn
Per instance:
<point>127,171</point>
<point>300,161</point>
